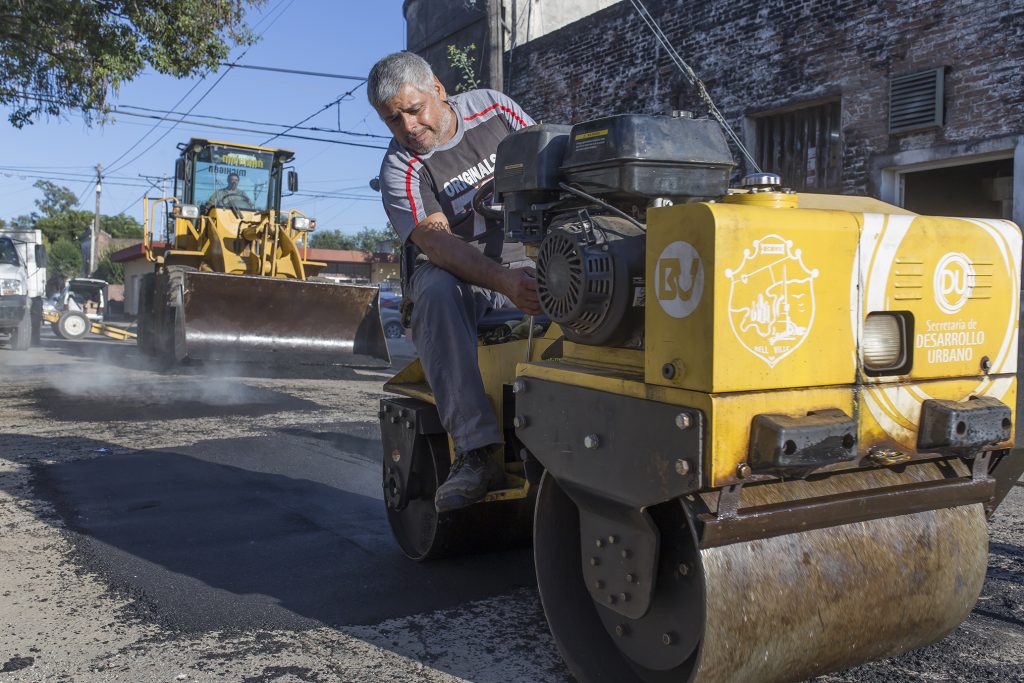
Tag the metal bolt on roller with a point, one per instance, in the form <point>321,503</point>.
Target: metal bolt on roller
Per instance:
<point>519,421</point>
<point>682,467</point>
<point>684,421</point>
<point>592,441</point>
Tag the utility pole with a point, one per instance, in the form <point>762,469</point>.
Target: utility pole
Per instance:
<point>496,47</point>
<point>95,222</point>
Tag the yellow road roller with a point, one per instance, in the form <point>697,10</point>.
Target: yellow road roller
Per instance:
<point>232,278</point>
<point>765,429</point>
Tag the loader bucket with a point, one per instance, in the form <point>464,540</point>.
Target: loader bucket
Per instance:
<point>277,320</point>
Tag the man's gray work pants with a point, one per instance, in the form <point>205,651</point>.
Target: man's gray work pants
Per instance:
<point>444,318</point>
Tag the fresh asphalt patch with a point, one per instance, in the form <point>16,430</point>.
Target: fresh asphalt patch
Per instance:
<point>283,531</point>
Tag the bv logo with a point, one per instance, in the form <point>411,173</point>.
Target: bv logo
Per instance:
<point>679,279</point>
<point>771,300</point>
<point>953,282</point>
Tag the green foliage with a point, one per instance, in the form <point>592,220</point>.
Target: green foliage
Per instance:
<point>109,270</point>
<point>58,55</point>
<point>56,200</point>
<point>371,240</point>
<point>65,259</point>
<point>331,239</point>
<point>461,60</point>
<point>24,222</point>
<point>71,226</point>
<point>366,239</point>
<point>121,226</point>
<point>59,220</point>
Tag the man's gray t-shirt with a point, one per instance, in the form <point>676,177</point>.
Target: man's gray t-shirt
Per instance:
<point>414,186</point>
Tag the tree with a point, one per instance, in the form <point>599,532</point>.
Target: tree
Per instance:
<point>56,200</point>
<point>65,259</point>
<point>372,240</point>
<point>109,270</point>
<point>68,54</point>
<point>71,226</point>
<point>331,239</point>
<point>366,239</point>
<point>120,226</point>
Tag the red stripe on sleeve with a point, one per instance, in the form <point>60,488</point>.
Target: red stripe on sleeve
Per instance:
<point>479,113</point>
<point>408,190</point>
<point>514,115</point>
<point>507,110</point>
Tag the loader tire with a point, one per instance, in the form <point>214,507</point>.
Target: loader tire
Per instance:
<point>146,336</point>
<point>73,325</point>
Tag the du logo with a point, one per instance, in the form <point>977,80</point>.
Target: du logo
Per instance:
<point>771,299</point>
<point>953,283</point>
<point>679,277</point>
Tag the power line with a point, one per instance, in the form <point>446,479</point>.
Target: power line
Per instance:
<point>121,107</point>
<point>293,71</point>
<point>336,195</point>
<point>197,102</point>
<point>249,130</point>
<point>322,109</point>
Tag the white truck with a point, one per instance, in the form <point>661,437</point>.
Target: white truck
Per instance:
<point>22,286</point>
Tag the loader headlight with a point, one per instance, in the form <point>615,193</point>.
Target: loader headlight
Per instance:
<point>12,287</point>
<point>303,223</point>
<point>189,211</point>
<point>884,343</point>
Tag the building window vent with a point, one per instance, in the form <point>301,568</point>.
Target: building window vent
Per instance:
<point>802,145</point>
<point>915,101</point>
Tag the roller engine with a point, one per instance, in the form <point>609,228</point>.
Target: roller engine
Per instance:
<point>765,431</point>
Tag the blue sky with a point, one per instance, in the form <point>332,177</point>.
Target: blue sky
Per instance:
<point>333,36</point>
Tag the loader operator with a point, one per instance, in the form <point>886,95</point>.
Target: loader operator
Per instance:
<point>229,197</point>
<point>443,149</point>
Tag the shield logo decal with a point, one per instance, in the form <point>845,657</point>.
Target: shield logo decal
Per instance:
<point>771,299</point>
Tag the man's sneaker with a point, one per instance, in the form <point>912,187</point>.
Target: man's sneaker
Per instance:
<point>472,474</point>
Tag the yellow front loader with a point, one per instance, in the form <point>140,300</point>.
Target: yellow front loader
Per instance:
<point>765,431</point>
<point>231,278</point>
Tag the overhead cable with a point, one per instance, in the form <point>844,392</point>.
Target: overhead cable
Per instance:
<point>324,108</point>
<point>293,71</point>
<point>121,107</point>
<point>248,130</point>
<point>691,76</point>
<point>201,98</point>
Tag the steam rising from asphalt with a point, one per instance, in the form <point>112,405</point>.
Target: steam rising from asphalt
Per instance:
<point>105,379</point>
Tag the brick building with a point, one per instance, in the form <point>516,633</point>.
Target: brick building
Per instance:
<point>920,103</point>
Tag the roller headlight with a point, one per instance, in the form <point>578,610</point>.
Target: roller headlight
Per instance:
<point>12,287</point>
<point>189,211</point>
<point>884,344</point>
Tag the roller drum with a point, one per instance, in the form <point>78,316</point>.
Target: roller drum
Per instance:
<point>771,610</point>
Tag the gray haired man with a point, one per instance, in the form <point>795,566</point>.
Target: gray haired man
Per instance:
<point>443,150</point>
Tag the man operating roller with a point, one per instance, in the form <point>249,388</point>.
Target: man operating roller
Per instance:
<point>443,150</point>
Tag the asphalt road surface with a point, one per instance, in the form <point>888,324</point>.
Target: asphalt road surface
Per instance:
<point>210,524</point>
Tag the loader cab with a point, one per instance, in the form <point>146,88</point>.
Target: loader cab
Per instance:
<point>220,175</point>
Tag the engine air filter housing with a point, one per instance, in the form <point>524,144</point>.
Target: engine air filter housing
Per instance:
<point>635,157</point>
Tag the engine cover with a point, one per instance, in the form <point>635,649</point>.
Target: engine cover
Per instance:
<point>590,279</point>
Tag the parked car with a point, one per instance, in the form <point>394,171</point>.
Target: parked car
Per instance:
<point>391,319</point>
